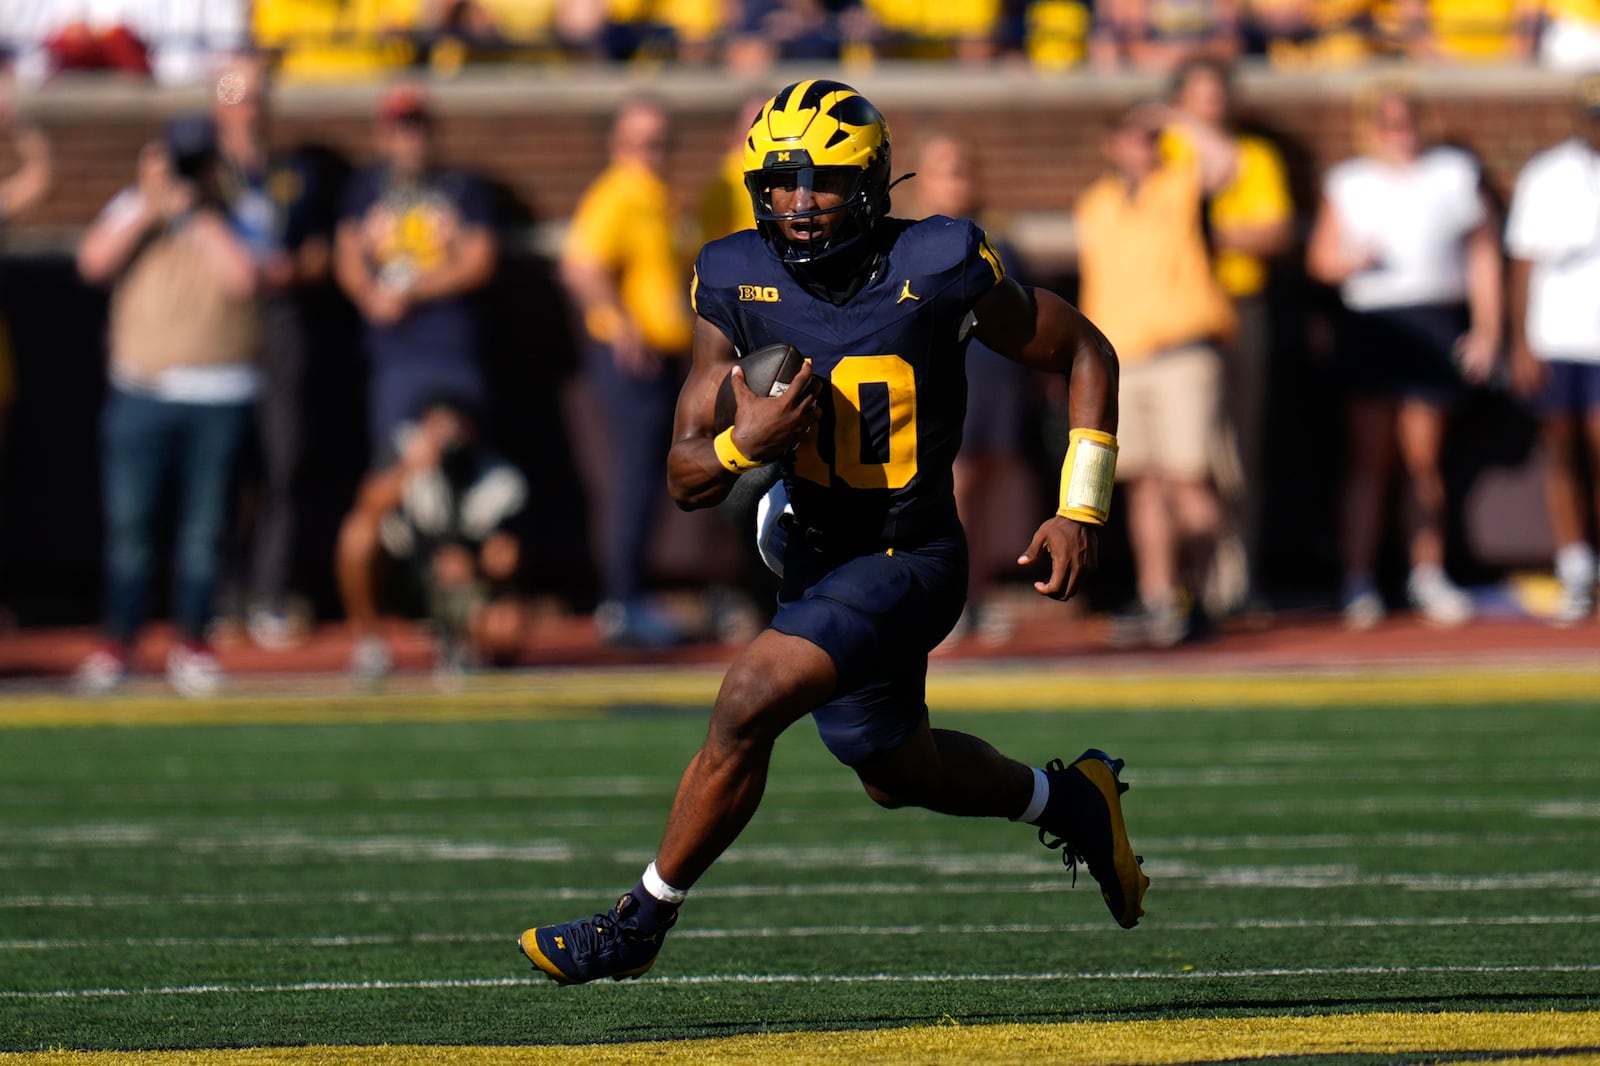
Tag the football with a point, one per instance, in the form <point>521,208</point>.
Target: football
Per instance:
<point>767,371</point>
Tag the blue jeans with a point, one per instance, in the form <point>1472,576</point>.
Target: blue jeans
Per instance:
<point>636,414</point>
<point>149,447</point>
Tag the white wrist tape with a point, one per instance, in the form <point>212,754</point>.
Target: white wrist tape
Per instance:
<point>1088,475</point>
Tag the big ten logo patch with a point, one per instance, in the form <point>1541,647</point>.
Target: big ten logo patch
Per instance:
<point>767,294</point>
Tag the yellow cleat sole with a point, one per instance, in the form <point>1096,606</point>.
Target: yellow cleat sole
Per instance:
<point>1129,874</point>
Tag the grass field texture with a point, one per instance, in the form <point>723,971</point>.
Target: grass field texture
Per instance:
<point>240,880</point>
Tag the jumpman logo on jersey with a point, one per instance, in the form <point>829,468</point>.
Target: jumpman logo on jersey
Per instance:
<point>907,294</point>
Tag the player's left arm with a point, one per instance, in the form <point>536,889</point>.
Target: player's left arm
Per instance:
<point>1040,330</point>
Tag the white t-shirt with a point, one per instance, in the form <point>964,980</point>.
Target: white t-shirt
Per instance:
<point>1555,225</point>
<point>1415,219</point>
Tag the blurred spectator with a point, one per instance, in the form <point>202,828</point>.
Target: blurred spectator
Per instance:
<point>1553,237</point>
<point>300,234</point>
<point>627,277</point>
<point>20,191</point>
<point>1407,234</point>
<point>725,205</point>
<point>78,47</point>
<point>1055,33</point>
<point>1468,31</point>
<point>684,30</point>
<point>1568,34</point>
<point>964,30</point>
<point>1000,391</point>
<point>1157,35</point>
<point>448,509</point>
<point>796,31</point>
<point>332,40</point>
<point>1295,34</point>
<point>412,245</point>
<point>184,332</point>
<point>27,185</point>
<point>1250,221</point>
<point>174,42</point>
<point>459,32</point>
<point>580,26</point>
<point>1147,282</point>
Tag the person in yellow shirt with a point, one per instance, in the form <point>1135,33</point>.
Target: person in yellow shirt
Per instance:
<point>1468,31</point>
<point>628,279</point>
<point>964,30</point>
<point>1146,280</point>
<point>337,40</point>
<point>1250,221</point>
<point>725,206</point>
<point>1302,34</point>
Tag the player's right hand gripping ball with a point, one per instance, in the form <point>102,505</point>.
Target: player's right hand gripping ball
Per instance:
<point>768,371</point>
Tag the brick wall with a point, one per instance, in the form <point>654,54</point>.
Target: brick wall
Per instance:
<point>544,138</point>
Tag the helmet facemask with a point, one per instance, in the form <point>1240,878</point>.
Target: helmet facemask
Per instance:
<point>861,203</point>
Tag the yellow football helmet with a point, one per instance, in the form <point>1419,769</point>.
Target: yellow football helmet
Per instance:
<point>818,133</point>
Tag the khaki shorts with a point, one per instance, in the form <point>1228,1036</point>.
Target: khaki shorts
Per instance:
<point>1167,421</point>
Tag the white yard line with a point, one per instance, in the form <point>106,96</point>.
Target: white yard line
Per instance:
<point>803,979</point>
<point>799,932</point>
<point>1146,778</point>
<point>1172,876</point>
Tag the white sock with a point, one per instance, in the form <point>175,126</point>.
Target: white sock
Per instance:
<point>1575,564</point>
<point>658,888</point>
<point>1428,574</point>
<point>1041,795</point>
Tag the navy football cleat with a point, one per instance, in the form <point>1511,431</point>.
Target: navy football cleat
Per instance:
<point>606,945</point>
<point>1084,816</point>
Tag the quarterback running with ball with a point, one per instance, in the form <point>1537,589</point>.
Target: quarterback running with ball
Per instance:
<point>874,561</point>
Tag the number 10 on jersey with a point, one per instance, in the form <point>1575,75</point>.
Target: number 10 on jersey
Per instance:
<point>871,421</point>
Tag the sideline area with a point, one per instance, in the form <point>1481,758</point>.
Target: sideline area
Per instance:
<point>588,693</point>
<point>1045,634</point>
<point>567,673</point>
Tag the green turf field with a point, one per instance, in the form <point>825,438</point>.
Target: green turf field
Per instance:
<point>242,882</point>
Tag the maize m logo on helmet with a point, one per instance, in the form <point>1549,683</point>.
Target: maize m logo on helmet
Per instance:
<point>822,135</point>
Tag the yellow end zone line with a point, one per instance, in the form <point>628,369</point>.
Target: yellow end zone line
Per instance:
<point>1182,1040</point>
<point>578,694</point>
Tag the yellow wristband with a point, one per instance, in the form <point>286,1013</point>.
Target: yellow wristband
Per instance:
<point>1087,476</point>
<point>729,455</point>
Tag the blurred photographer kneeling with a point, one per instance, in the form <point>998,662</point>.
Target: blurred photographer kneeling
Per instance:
<point>183,338</point>
<point>450,511</point>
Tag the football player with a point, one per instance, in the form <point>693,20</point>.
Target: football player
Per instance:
<point>875,564</point>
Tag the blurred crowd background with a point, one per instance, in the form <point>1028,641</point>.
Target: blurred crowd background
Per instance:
<point>174,40</point>
<point>305,304</point>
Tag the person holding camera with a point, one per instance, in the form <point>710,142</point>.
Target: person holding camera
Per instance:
<point>183,335</point>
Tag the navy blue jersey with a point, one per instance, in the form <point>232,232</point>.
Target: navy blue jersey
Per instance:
<point>877,471</point>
